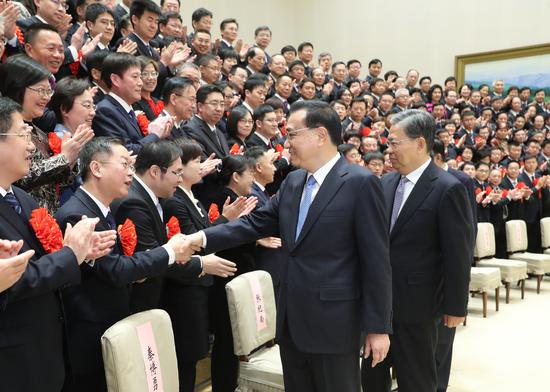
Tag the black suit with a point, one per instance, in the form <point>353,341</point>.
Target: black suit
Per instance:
<point>198,130</point>
<point>112,120</point>
<point>186,299</point>
<point>151,233</point>
<point>431,252</point>
<point>532,213</point>
<point>330,293</point>
<point>31,316</point>
<point>102,298</point>
<point>515,207</point>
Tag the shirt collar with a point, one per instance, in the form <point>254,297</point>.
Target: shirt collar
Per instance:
<point>141,39</point>
<point>227,43</point>
<point>415,175</point>
<point>323,171</point>
<point>212,128</point>
<point>3,191</point>
<point>247,106</point>
<point>153,197</point>
<point>41,19</point>
<point>262,188</point>
<point>122,102</point>
<point>264,139</point>
<point>281,98</point>
<point>102,207</point>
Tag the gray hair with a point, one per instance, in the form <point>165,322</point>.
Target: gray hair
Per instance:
<point>416,123</point>
<point>401,91</point>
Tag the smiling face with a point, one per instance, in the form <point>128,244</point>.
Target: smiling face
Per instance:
<point>128,87</point>
<point>35,99</point>
<point>114,172</point>
<point>83,111</point>
<point>53,12</point>
<point>47,48</point>
<point>15,151</point>
<point>149,76</point>
<point>146,25</point>
<point>168,180</point>
<point>105,25</point>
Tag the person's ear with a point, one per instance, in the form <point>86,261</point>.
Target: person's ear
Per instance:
<point>116,80</point>
<point>235,177</point>
<point>95,169</point>
<point>134,19</point>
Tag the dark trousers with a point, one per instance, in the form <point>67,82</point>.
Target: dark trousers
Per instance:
<point>187,374</point>
<point>305,372</point>
<point>412,353</point>
<point>444,355</point>
<point>533,236</point>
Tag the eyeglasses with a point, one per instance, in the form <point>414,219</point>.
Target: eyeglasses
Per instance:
<point>394,143</point>
<point>27,136</point>
<point>87,105</point>
<point>247,122</point>
<point>191,99</point>
<point>177,173</point>
<point>146,75</point>
<point>273,120</point>
<point>216,104</point>
<point>43,92</point>
<point>61,4</point>
<point>293,134</point>
<point>213,68</point>
<point>126,165</point>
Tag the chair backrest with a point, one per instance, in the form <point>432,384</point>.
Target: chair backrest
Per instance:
<point>139,354</point>
<point>252,310</point>
<point>485,240</point>
<point>516,236</point>
<point>545,232</point>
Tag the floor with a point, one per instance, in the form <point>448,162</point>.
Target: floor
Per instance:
<point>508,351</point>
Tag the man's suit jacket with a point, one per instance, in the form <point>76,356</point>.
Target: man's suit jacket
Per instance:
<point>198,130</point>
<point>31,316</point>
<point>151,233</point>
<point>112,120</point>
<point>103,297</point>
<point>515,207</point>
<point>468,183</point>
<point>142,49</point>
<point>430,247</point>
<point>532,207</point>
<point>330,291</point>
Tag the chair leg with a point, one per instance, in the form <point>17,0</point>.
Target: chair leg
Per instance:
<point>507,287</point>
<point>497,297</point>
<point>484,294</point>
<point>539,279</point>
<point>464,323</point>
<point>522,288</point>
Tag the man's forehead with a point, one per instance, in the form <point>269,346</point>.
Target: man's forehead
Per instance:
<point>48,36</point>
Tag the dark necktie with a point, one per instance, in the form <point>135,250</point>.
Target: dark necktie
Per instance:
<point>111,221</point>
<point>13,202</point>
<point>132,115</point>
<point>218,139</point>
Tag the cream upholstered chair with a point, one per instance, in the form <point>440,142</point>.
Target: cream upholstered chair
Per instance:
<point>139,354</point>
<point>482,280</point>
<point>253,318</point>
<point>511,271</point>
<point>545,234</point>
<point>516,242</point>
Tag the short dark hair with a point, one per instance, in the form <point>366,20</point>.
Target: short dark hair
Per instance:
<point>66,90</point>
<point>200,13</point>
<point>353,61</point>
<point>7,108</point>
<point>335,64</point>
<point>227,21</point>
<point>275,103</point>
<point>259,29</point>
<point>125,22</point>
<point>288,48</point>
<point>236,115</point>
<point>254,153</point>
<point>161,153</point>
<point>205,59</point>
<point>438,148</point>
<point>204,91</point>
<point>18,73</point>
<point>375,61</point>
<point>94,10</point>
<point>90,151</point>
<point>296,63</point>
<point>228,54</point>
<point>416,123</point>
<point>344,148</point>
<point>163,1</point>
<point>373,156</point>
<point>190,149</point>
<point>35,29</point>
<point>358,100</point>
<point>95,60</point>
<point>164,18</point>
<point>261,111</point>
<point>320,114</point>
<point>424,78</point>
<point>175,84</point>
<point>139,7</point>
<point>118,64</point>
<point>449,79</point>
<point>253,83</point>
<point>303,45</point>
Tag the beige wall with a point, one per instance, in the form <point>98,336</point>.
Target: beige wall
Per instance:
<point>423,34</point>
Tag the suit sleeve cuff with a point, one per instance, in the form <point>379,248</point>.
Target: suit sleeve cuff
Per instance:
<point>74,53</point>
<point>171,254</point>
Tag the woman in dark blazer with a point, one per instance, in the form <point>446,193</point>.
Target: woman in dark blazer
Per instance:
<point>186,299</point>
<point>239,126</point>
<point>148,104</point>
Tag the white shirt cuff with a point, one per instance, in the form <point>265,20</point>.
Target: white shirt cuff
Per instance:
<point>13,41</point>
<point>74,53</point>
<point>203,239</point>
<point>171,254</point>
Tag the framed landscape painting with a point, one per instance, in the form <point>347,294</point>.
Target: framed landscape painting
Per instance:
<point>522,67</point>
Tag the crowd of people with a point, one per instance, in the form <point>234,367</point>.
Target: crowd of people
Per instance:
<point>151,130</point>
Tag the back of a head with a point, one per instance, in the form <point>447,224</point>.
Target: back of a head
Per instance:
<point>320,114</point>
<point>232,164</point>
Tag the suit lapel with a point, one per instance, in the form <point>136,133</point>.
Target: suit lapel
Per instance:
<point>198,220</point>
<point>91,206</point>
<point>160,228</point>
<point>125,114</point>
<point>419,193</point>
<point>20,222</point>
<point>328,189</point>
<point>210,135</point>
<point>390,193</point>
<point>296,193</point>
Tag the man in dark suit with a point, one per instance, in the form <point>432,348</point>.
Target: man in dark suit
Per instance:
<point>333,294</point>
<point>510,182</point>
<point>145,17</point>
<point>202,128</point>
<point>265,121</point>
<point>446,335</point>
<point>103,296</point>
<point>31,316</point>
<point>179,97</point>
<point>121,72</point>
<point>431,237</point>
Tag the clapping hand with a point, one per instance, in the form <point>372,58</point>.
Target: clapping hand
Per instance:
<point>102,243</point>
<point>12,268</point>
<point>240,207</point>
<point>80,237</point>
<point>209,165</point>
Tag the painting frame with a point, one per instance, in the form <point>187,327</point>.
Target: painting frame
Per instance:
<point>461,61</point>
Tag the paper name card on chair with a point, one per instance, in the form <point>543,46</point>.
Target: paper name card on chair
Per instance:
<point>150,357</point>
<point>258,300</point>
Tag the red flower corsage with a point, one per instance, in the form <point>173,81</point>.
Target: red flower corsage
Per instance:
<point>55,143</point>
<point>128,237</point>
<point>366,131</point>
<point>46,230</point>
<point>283,127</point>
<point>234,149</point>
<point>157,108</point>
<point>279,149</point>
<point>488,190</point>
<point>172,227</point>
<point>143,123</point>
<point>213,213</point>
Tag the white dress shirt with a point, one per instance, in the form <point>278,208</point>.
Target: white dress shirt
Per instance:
<point>320,176</point>
<point>413,178</point>
<point>122,102</point>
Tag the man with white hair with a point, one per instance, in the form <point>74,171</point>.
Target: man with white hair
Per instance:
<point>412,78</point>
<point>402,99</point>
